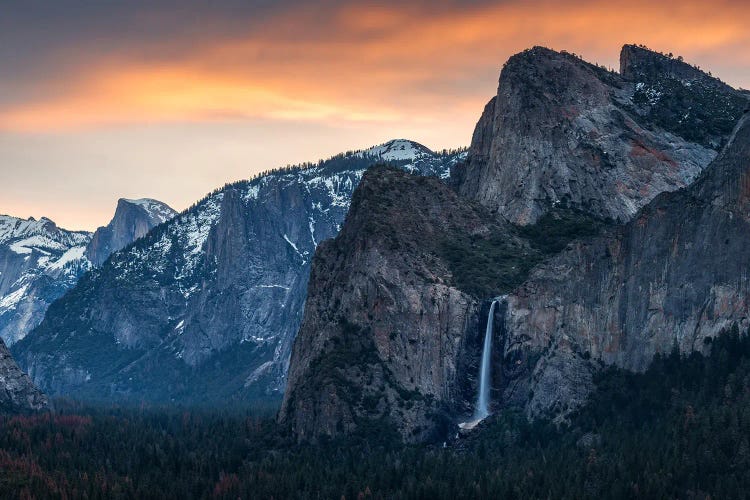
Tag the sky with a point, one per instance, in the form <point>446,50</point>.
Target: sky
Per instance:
<point>169,99</point>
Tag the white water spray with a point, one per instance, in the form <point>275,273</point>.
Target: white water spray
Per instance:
<point>485,372</point>
<point>482,408</point>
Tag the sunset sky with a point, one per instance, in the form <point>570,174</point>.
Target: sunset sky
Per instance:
<point>172,98</point>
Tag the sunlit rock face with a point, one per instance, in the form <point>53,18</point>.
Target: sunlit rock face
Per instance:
<point>563,132</point>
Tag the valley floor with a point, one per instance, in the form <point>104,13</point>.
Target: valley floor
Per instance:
<point>679,430</point>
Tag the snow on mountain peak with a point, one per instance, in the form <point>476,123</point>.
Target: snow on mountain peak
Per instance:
<point>155,208</point>
<point>12,228</point>
<point>397,150</point>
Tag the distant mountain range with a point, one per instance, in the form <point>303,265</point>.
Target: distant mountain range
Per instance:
<point>205,307</point>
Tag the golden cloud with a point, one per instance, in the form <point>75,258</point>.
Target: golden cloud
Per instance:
<point>373,64</point>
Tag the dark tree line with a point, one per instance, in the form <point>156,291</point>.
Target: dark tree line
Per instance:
<point>679,430</point>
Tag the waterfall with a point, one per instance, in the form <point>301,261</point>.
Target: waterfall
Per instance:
<point>485,372</point>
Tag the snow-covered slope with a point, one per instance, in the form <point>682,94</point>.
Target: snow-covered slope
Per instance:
<point>39,262</point>
<point>206,306</point>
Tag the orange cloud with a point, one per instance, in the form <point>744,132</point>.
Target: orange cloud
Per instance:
<point>374,64</point>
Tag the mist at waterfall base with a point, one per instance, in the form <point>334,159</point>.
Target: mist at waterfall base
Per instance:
<point>481,410</point>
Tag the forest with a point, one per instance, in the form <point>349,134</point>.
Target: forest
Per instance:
<point>678,430</point>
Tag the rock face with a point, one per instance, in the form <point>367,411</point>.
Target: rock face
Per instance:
<point>205,307</point>
<point>562,147</point>
<point>132,220</point>
<point>17,392</point>
<point>39,261</point>
<point>674,276</point>
<point>563,132</point>
<point>383,333</point>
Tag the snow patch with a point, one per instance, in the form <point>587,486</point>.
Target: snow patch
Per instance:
<point>258,372</point>
<point>397,150</point>
<point>12,299</point>
<point>72,255</point>
<point>312,231</point>
<point>294,246</point>
<point>273,286</point>
<point>38,242</point>
<point>252,192</point>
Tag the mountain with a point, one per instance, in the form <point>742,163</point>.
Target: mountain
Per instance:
<point>563,132</point>
<point>379,291</point>
<point>393,329</point>
<point>676,276</point>
<point>132,220</point>
<point>205,307</point>
<point>39,261</point>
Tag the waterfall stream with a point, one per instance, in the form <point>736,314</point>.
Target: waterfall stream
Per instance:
<point>482,408</point>
<point>485,372</point>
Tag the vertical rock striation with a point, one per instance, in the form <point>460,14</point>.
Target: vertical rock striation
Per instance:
<point>383,341</point>
<point>677,275</point>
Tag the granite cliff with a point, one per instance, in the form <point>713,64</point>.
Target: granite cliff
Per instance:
<point>132,220</point>
<point>563,132</point>
<point>675,276</point>
<point>565,152</point>
<point>383,333</point>
<point>18,393</point>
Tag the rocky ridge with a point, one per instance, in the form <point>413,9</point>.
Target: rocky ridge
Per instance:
<point>38,262</point>
<point>563,132</point>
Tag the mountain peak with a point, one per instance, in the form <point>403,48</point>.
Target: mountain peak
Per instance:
<point>133,219</point>
<point>157,210</point>
<point>14,227</point>
<point>638,62</point>
<point>397,150</point>
<point>539,57</point>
